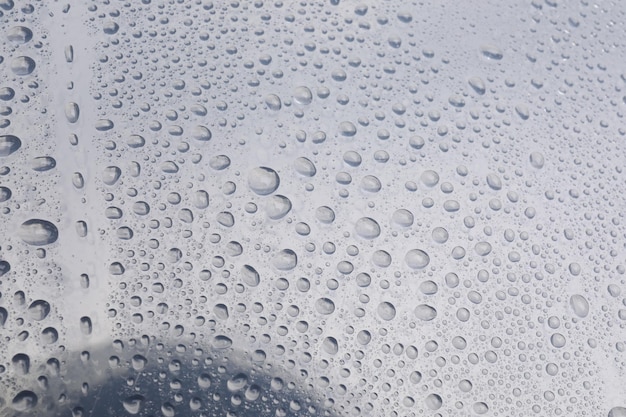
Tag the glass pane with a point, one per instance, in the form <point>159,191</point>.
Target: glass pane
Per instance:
<point>312,208</point>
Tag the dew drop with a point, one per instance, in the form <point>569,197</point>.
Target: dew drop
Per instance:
<point>433,401</point>
<point>38,232</point>
<point>24,401</point>
<point>386,311</point>
<point>19,34</point>
<point>263,180</point>
<point>417,259</point>
<point>39,310</point>
<point>425,312</point>
<point>133,404</point>
<point>285,260</point>
<point>367,228</point>
<point>23,65</point>
<point>325,306</point>
<point>491,51</point>
<point>9,144</point>
<point>580,305</point>
<point>330,345</point>
<point>302,95</point>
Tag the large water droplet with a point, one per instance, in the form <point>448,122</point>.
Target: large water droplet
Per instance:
<point>9,144</point>
<point>19,34</point>
<point>250,276</point>
<point>417,259</point>
<point>23,65</point>
<point>133,404</point>
<point>580,305</point>
<point>39,310</point>
<point>367,228</point>
<point>386,311</point>
<point>425,312</point>
<point>24,401</point>
<point>263,180</point>
<point>38,232</point>
<point>325,306</point>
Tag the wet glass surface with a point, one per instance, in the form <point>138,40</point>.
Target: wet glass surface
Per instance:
<point>327,208</point>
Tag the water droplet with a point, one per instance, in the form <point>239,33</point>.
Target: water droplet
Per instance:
<point>222,342</point>
<point>363,337</point>
<point>302,95</point>
<point>617,412</point>
<point>49,335</point>
<point>325,306</point>
<point>494,181</point>
<point>253,392</point>
<point>9,144</point>
<point>219,162</point>
<point>491,51</point>
<point>133,404</point>
<point>201,199</point>
<point>478,85</point>
<point>272,101</point>
<point>425,312</point>
<point>277,206</point>
<point>136,141</point>
<point>417,259</point>
<point>429,287</point>
<point>263,180</point>
<point>305,167</point>
<point>480,407</point>
<point>111,174</point>
<point>522,111</point>
<point>429,178</point>
<point>110,27</point>
<point>325,214</point>
<point>19,34</point>
<point>23,65</point>
<point>43,163</point>
<point>38,232</point>
<point>330,345</point>
<point>21,363</point>
<point>347,129</point>
<point>580,305</point>
<point>221,310</point>
<point>483,248</point>
<point>204,380</point>
<point>250,276</point>
<point>367,228</point>
<point>169,167</point>
<point>69,53</point>
<point>537,160</point>
<point>386,311</point>
<point>5,194</point>
<point>285,260</point>
<point>39,310</point>
<point>403,218</point>
<point>371,184</point>
<point>201,133</point>
<point>24,401</point>
<point>86,326</point>
<point>237,382</point>
<point>558,340</point>
<point>440,235</point>
<point>433,401</point>
<point>72,112</point>
<point>103,125</point>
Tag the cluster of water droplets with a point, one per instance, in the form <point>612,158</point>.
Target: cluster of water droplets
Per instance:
<point>312,208</point>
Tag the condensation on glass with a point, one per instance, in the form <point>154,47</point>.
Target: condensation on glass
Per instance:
<point>324,208</point>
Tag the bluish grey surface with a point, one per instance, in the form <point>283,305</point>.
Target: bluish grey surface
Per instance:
<point>327,208</point>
